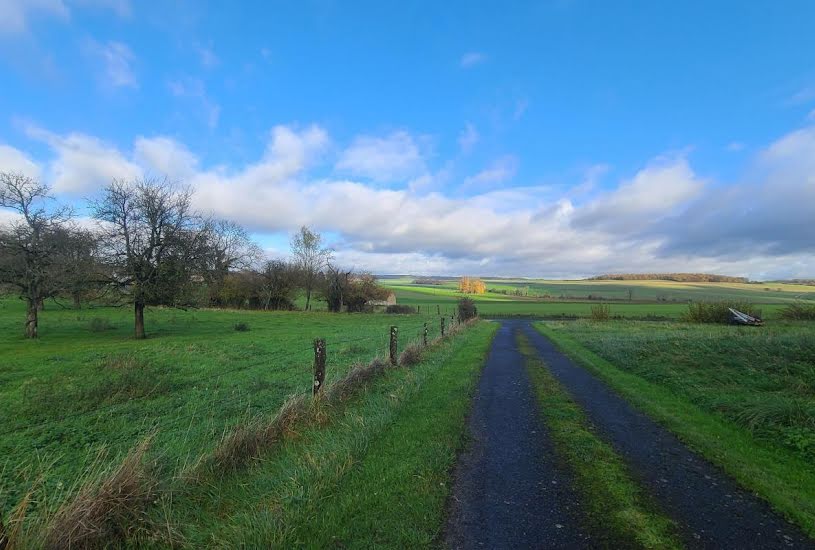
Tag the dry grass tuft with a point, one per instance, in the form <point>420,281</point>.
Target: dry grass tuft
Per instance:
<point>107,510</point>
<point>246,441</point>
<point>411,355</point>
<point>600,312</point>
<point>358,376</point>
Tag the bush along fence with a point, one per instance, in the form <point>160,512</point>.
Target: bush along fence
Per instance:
<point>112,507</point>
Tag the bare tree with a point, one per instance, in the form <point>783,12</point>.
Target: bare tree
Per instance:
<point>279,285</point>
<point>310,257</point>
<point>230,249</point>
<point>83,276</point>
<point>155,244</point>
<point>337,284</point>
<point>30,253</point>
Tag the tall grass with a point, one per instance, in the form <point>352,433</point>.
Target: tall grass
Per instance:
<point>799,311</point>
<point>717,312</point>
<point>600,312</point>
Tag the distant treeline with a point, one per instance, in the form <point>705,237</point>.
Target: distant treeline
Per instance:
<point>679,277</point>
<point>797,281</point>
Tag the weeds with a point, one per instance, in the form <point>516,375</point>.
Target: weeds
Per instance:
<point>600,312</point>
<point>241,327</point>
<point>411,355</point>
<point>799,311</point>
<point>105,511</point>
<point>717,312</point>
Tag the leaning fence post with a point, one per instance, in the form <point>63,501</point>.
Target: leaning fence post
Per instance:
<point>442,326</point>
<point>319,365</point>
<point>394,332</point>
<point>424,335</point>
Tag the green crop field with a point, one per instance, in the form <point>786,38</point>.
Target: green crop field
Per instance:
<point>663,299</point>
<point>85,392</point>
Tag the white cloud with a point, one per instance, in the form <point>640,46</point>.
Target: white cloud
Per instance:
<point>653,193</point>
<point>802,96</point>
<point>735,146</point>
<point>521,105</point>
<point>14,160</point>
<point>15,14</point>
<point>471,59</point>
<point>82,163</point>
<point>500,171</point>
<point>468,138</point>
<point>164,156</point>
<point>117,60</point>
<point>383,159</point>
<point>664,218</point>
<point>207,56</point>
<point>591,176</point>
<point>193,88</point>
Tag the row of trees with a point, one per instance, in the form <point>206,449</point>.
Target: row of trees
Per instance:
<point>678,277</point>
<point>148,246</point>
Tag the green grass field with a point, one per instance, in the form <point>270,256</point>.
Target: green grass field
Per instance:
<point>376,475</point>
<point>742,396</point>
<point>655,299</point>
<point>86,391</point>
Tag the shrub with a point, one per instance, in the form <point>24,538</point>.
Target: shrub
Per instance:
<point>600,312</point>
<point>399,308</point>
<point>467,309</point>
<point>718,312</point>
<point>241,327</point>
<point>99,324</point>
<point>799,311</point>
<point>411,355</point>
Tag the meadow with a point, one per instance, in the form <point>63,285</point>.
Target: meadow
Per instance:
<point>85,392</point>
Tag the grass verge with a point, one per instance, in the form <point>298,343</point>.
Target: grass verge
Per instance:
<point>613,497</point>
<point>375,473</point>
<point>785,481</point>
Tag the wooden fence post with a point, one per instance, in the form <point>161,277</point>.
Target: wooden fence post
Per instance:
<point>438,309</point>
<point>319,365</point>
<point>424,335</point>
<point>393,349</point>
<point>442,326</point>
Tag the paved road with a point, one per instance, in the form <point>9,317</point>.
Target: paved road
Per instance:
<point>510,492</point>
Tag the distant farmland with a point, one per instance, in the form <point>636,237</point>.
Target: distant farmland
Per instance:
<point>574,298</point>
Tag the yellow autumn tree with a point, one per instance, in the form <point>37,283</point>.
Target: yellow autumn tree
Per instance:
<point>471,285</point>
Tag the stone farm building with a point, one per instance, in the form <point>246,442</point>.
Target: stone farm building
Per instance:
<point>389,301</point>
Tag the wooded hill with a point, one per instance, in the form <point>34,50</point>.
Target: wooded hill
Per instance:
<point>679,277</point>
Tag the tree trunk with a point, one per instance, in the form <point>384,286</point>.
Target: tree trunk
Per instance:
<point>31,320</point>
<point>139,309</point>
<point>41,304</point>
<point>308,298</point>
<point>77,301</point>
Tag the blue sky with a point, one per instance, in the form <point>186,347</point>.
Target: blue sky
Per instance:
<point>559,138</point>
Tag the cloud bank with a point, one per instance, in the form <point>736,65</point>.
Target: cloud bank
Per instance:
<point>663,217</point>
